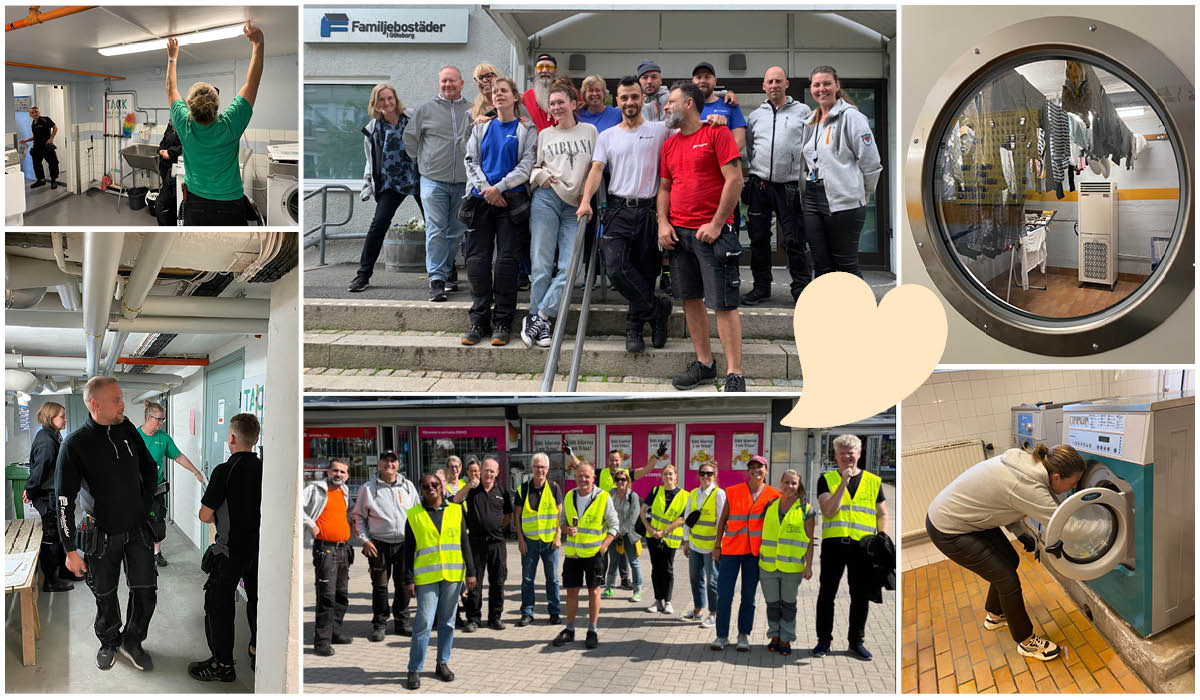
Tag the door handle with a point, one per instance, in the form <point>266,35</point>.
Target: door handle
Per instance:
<point>1055,549</point>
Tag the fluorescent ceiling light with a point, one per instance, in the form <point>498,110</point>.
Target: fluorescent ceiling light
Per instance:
<point>229,32</point>
<point>1131,111</point>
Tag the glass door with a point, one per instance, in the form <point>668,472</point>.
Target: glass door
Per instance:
<point>1086,537</point>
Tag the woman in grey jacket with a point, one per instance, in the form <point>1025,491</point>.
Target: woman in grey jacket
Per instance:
<point>843,169</point>
<point>964,522</point>
<point>500,156</point>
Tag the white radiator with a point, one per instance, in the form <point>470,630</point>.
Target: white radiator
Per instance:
<point>927,469</point>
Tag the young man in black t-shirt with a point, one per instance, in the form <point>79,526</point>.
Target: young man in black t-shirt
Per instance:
<point>233,503</point>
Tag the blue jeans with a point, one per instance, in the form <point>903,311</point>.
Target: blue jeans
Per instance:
<point>436,602</point>
<point>552,225</point>
<point>630,556</point>
<point>536,550</point>
<point>703,574</point>
<point>443,230</point>
<point>729,566</point>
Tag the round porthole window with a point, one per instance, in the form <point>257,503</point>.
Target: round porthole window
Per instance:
<point>1050,189</point>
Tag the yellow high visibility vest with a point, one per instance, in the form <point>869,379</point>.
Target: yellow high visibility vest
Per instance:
<point>540,524</point>
<point>439,554</point>
<point>605,480</point>
<point>589,528</point>
<point>855,517</point>
<point>662,515</point>
<point>704,532</point>
<point>784,543</point>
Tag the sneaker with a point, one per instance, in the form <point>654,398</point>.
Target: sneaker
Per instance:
<point>719,643</point>
<point>693,616</point>
<point>444,673</point>
<point>636,597</point>
<point>556,619</point>
<point>1037,648</point>
<point>664,281</point>
<point>476,334</point>
<point>137,656</point>
<point>501,335</point>
<point>414,681</point>
<point>323,650</point>
<point>743,643</point>
<point>821,649</point>
<point>593,640</point>
<point>437,290</point>
<point>358,284</point>
<point>160,559</point>
<point>785,648</point>
<point>106,657</point>
<point>633,340</point>
<point>608,593</point>
<point>734,382</point>
<point>525,620</point>
<point>860,651</point>
<point>627,584</point>
<point>695,375</point>
<point>523,283</point>
<point>994,622</point>
<point>470,627</point>
<point>667,608</point>
<point>660,323</point>
<point>545,332</point>
<point>709,622</point>
<point>756,296</point>
<point>452,280</point>
<point>339,638</point>
<point>657,607</point>
<point>495,624</point>
<point>564,637</point>
<point>212,670</point>
<point>402,628</point>
<point>376,634</point>
<point>35,185</point>
<point>773,646</point>
<point>529,329</point>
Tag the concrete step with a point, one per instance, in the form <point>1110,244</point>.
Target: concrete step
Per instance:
<point>603,356</point>
<point>604,319</point>
<point>322,379</point>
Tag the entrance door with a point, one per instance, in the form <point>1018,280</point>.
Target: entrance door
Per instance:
<point>222,389</point>
<point>52,101</point>
<point>1089,534</point>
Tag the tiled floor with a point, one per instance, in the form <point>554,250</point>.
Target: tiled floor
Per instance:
<point>945,648</point>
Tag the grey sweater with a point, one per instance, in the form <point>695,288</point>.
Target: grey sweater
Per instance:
<point>774,138</point>
<point>381,509</point>
<point>435,137</point>
<point>526,148</point>
<point>843,152</point>
<point>997,492</point>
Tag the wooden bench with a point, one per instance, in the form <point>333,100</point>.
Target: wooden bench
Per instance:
<point>26,536</point>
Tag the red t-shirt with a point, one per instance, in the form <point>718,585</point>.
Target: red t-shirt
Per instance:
<point>541,119</point>
<point>693,165</point>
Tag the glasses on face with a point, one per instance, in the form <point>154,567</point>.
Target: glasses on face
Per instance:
<point>545,66</point>
<point>430,486</point>
<point>159,418</point>
<point>622,481</point>
<point>708,474</point>
<point>485,76</point>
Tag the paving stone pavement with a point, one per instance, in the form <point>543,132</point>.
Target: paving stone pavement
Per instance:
<point>639,652</point>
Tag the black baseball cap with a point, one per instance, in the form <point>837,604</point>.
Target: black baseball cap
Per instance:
<point>545,57</point>
<point>704,65</point>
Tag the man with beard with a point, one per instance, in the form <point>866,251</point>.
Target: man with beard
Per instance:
<point>705,78</point>
<point>654,108</point>
<point>325,513</point>
<point>537,98</point>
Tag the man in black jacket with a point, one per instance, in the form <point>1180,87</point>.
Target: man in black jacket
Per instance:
<point>107,466</point>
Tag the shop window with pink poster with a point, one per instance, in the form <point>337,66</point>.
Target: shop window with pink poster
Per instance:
<point>731,445</point>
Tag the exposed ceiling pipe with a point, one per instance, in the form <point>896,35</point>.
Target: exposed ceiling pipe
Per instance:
<point>114,351</point>
<point>191,307</point>
<point>56,362</point>
<point>25,273</point>
<point>36,16</point>
<point>101,258</point>
<point>35,66</point>
<point>141,324</point>
<point>148,378</point>
<point>68,296</point>
<point>23,298</point>
<point>153,252</point>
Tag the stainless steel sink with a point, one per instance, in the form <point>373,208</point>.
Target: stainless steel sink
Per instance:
<point>141,156</point>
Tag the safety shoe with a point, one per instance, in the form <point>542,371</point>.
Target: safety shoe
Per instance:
<point>664,281</point>
<point>323,650</point>
<point>476,334</point>
<point>339,638</point>
<point>495,625</point>
<point>54,184</point>
<point>734,383</point>
<point>633,340</point>
<point>402,628</point>
<point>414,681</point>
<point>860,651</point>
<point>719,643</point>
<point>756,296</point>
<point>444,673</point>
<point>523,283</point>
<point>377,634</point>
<point>555,619</point>
<point>695,375</point>
<point>1037,648</point>
<point>667,608</point>
<point>994,622</point>
<point>501,335</point>
<point>359,283</point>
<point>709,622</point>
<point>160,559</point>
<point>437,290</point>
<point>743,643</point>
<point>608,593</point>
<point>49,586</point>
<point>564,637</point>
<point>137,656</point>
<point>821,649</point>
<point>660,323</point>
<point>37,184</point>
<point>471,626</point>
<point>593,640</point>
<point>106,657</point>
<point>693,616</point>
<point>525,620</point>
<point>212,670</point>
<point>452,280</point>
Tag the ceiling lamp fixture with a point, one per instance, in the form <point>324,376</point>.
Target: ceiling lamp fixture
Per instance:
<point>228,32</point>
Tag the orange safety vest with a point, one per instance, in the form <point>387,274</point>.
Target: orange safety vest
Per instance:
<point>743,526</point>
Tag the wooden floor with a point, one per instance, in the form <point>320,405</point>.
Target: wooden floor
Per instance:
<point>1063,297</point>
<point>945,648</point>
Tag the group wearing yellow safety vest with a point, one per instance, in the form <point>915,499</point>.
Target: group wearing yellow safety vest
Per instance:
<point>856,517</point>
<point>589,527</point>
<point>662,515</point>
<point>784,540</point>
<point>439,554</point>
<point>540,524</point>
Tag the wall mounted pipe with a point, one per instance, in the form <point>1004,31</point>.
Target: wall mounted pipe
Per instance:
<point>15,64</point>
<point>141,324</point>
<point>189,307</point>
<point>35,16</point>
<point>101,258</point>
<point>58,362</point>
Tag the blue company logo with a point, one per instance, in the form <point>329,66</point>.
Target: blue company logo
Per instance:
<point>331,23</point>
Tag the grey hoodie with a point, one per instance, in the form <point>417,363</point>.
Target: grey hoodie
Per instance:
<point>527,155</point>
<point>654,109</point>
<point>774,138</point>
<point>315,496</point>
<point>997,492</point>
<point>381,509</point>
<point>435,136</point>
<point>844,153</point>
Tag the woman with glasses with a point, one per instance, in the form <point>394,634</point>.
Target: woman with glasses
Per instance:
<point>662,514</point>
<point>699,536</point>
<point>161,447</point>
<point>785,559</point>
<point>628,545</point>
<point>483,110</point>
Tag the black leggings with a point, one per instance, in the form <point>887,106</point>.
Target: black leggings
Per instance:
<point>832,236</point>
<point>990,555</point>
<point>662,568</point>
<point>386,204</point>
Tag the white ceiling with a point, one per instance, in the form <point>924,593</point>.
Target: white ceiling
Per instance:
<point>71,41</point>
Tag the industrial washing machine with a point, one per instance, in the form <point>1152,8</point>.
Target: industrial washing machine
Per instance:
<point>1128,530</point>
<point>1037,422</point>
<point>283,184</point>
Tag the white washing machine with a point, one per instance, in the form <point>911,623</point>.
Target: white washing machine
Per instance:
<point>1037,422</point>
<point>283,184</point>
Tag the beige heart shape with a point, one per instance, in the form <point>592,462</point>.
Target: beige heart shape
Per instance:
<point>858,358</point>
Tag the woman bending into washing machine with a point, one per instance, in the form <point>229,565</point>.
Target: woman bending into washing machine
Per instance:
<point>964,522</point>
<point>210,140</point>
<point>843,168</point>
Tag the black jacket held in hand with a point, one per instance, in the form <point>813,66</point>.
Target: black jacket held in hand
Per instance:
<point>880,551</point>
<point>43,456</point>
<point>116,473</point>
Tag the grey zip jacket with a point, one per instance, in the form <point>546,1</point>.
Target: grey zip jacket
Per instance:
<point>435,137</point>
<point>997,492</point>
<point>527,156</point>
<point>381,509</point>
<point>654,109</point>
<point>774,138</point>
<point>315,496</point>
<point>843,152</point>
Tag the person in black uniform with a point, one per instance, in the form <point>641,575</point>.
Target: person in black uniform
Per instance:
<point>489,510</point>
<point>233,501</point>
<point>169,150</point>
<point>39,492</point>
<point>44,130</point>
<point>106,465</point>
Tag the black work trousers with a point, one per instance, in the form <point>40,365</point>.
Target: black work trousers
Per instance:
<point>631,256</point>
<point>838,555</point>
<point>331,563</point>
<point>832,236</point>
<point>135,551</point>
<point>489,556</point>
<point>990,555</point>
<point>201,211</point>
<point>495,233</point>
<point>388,566</point>
<point>51,558</point>
<point>781,199</point>
<point>48,153</point>
<point>386,204</point>
<point>220,594</point>
<point>662,568</point>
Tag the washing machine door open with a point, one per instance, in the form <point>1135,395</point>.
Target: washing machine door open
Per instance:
<point>1088,535</point>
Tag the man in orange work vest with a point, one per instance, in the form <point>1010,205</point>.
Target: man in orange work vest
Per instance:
<point>325,508</point>
<point>739,536</point>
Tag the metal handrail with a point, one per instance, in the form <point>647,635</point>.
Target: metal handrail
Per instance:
<point>322,227</point>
